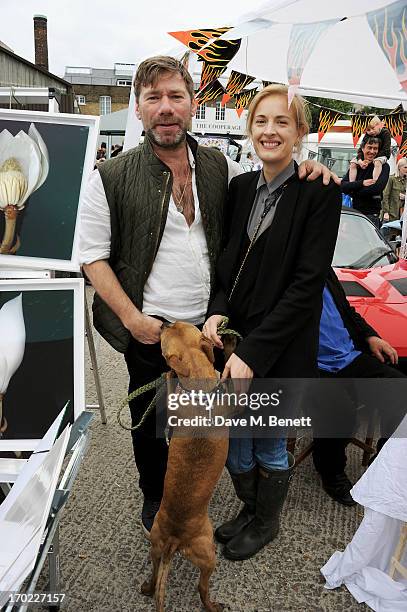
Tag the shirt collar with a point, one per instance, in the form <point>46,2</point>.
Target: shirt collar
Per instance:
<point>278,180</point>
<point>191,157</point>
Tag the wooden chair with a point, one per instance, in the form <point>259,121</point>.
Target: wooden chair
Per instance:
<point>395,564</point>
<point>366,446</point>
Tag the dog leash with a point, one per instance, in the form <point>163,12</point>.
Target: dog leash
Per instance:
<point>223,329</point>
<point>159,383</point>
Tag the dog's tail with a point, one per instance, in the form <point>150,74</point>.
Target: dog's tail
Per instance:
<point>163,570</point>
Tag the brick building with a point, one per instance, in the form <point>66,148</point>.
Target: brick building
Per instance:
<point>100,91</point>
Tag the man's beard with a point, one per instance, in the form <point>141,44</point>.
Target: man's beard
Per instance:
<point>160,141</point>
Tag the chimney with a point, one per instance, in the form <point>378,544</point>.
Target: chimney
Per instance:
<point>40,41</point>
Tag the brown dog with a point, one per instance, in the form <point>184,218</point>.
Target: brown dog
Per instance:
<point>194,467</point>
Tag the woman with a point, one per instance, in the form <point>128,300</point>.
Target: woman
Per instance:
<point>270,279</point>
<point>395,193</point>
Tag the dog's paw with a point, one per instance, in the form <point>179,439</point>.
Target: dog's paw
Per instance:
<point>147,588</point>
<point>215,606</point>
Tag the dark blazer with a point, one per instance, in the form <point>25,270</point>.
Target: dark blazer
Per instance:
<point>356,325</point>
<point>282,330</point>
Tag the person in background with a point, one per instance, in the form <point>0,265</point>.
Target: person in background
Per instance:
<point>349,348</point>
<point>376,129</point>
<point>367,192</point>
<point>395,193</point>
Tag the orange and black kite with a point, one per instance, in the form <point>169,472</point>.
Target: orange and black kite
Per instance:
<point>196,39</point>
<point>215,59</point>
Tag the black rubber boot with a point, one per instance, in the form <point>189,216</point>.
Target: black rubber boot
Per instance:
<point>272,490</point>
<point>246,489</point>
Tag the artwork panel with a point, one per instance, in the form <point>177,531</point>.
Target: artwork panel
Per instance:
<point>51,371</point>
<point>46,219</point>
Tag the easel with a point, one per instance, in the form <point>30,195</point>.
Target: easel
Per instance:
<point>38,274</point>
<point>77,446</point>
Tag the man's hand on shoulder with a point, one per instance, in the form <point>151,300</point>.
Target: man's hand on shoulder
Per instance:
<point>382,350</point>
<point>144,328</point>
<point>313,169</point>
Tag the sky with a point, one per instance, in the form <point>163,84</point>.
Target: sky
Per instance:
<point>102,32</point>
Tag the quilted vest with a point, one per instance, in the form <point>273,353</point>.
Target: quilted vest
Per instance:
<point>138,188</point>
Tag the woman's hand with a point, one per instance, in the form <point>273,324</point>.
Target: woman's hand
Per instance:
<point>210,330</point>
<point>240,372</point>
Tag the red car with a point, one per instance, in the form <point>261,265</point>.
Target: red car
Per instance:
<point>374,280</point>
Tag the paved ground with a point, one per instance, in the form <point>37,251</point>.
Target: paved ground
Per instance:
<point>104,556</point>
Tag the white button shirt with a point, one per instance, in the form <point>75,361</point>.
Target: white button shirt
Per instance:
<point>178,286</point>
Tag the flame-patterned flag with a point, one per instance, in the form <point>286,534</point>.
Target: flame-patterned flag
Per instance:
<point>216,58</point>
<point>303,38</point>
<point>243,99</point>
<point>389,26</point>
<point>236,83</point>
<point>359,126</point>
<point>210,73</point>
<point>395,123</point>
<point>196,39</point>
<point>403,247</point>
<point>213,91</point>
<point>402,150</point>
<point>327,118</point>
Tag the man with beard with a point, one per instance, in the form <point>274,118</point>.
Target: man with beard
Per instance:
<point>151,226</point>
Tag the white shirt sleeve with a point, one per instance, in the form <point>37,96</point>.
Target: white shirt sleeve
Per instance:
<point>94,225</point>
<point>234,169</point>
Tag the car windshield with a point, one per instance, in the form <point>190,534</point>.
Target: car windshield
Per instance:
<point>340,158</point>
<point>359,245</point>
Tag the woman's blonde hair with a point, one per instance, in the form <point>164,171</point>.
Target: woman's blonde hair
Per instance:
<point>402,160</point>
<point>299,108</point>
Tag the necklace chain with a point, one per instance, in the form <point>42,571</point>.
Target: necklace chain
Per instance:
<point>179,206</point>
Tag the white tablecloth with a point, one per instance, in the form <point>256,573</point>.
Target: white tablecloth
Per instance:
<point>363,566</point>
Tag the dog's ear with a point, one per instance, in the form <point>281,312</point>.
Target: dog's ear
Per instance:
<point>207,347</point>
<point>179,367</point>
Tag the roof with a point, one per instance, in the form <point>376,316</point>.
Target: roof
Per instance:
<point>4,46</point>
<point>7,51</point>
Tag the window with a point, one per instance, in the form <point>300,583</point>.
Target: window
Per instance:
<point>105,105</point>
<point>77,70</point>
<point>200,112</point>
<point>220,112</point>
<point>124,69</point>
<point>123,83</point>
<point>81,100</point>
<point>341,156</point>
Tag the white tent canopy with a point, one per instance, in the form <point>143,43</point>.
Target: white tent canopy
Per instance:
<point>347,63</point>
